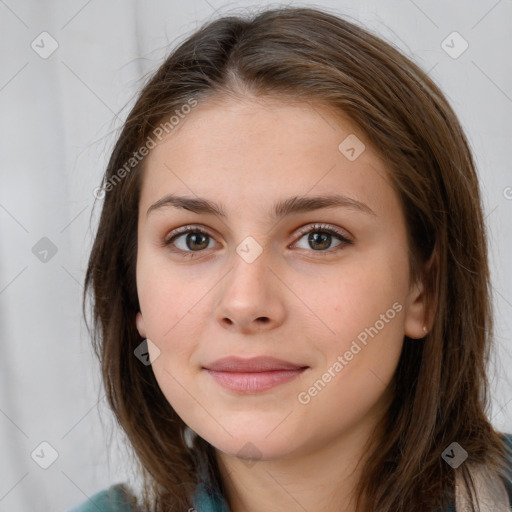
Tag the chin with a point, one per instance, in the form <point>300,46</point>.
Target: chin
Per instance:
<point>250,445</point>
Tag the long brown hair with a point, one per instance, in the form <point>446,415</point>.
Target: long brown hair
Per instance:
<point>440,386</point>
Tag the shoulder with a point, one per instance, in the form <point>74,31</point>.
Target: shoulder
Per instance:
<point>507,442</point>
<point>507,438</point>
<point>113,499</point>
<point>507,470</point>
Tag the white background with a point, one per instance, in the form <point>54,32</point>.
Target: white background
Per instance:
<point>57,122</point>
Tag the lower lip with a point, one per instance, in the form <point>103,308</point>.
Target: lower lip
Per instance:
<point>254,382</point>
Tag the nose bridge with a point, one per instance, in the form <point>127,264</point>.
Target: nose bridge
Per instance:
<point>250,290</point>
<point>250,274</point>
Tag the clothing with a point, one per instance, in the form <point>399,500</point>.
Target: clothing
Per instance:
<point>206,498</point>
<point>113,499</point>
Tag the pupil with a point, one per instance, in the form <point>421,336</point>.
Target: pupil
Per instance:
<point>314,237</point>
<point>191,237</point>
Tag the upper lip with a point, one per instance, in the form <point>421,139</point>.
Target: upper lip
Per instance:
<point>253,364</point>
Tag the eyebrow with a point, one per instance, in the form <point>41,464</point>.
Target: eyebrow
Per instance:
<point>294,204</point>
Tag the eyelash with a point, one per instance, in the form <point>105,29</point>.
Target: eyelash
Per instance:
<point>323,228</point>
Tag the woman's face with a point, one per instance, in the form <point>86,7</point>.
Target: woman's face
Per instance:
<point>263,282</point>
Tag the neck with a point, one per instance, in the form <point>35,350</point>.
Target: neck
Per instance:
<point>316,479</point>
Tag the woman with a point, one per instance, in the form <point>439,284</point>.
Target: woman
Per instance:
<point>326,346</point>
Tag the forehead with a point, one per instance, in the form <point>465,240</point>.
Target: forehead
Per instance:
<point>255,152</point>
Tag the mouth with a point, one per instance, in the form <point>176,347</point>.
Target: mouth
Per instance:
<point>255,382</point>
<point>252,364</point>
<point>254,375</point>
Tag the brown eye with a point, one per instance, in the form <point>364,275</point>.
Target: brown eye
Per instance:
<point>188,240</point>
<point>320,238</point>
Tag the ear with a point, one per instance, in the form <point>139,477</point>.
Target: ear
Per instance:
<point>417,315</point>
<point>139,321</point>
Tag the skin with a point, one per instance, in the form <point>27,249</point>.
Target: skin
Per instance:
<point>248,154</point>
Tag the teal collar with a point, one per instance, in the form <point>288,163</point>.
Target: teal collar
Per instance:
<point>207,499</point>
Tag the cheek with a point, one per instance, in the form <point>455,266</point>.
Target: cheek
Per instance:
<point>173,306</point>
<point>354,298</point>
<point>176,386</point>
<point>361,329</point>
<point>167,299</point>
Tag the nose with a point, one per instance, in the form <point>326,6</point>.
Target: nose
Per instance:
<point>251,297</point>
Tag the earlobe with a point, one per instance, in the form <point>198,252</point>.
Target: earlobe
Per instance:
<point>139,321</point>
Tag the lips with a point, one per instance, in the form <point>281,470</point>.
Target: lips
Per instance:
<point>253,364</point>
<point>254,375</point>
